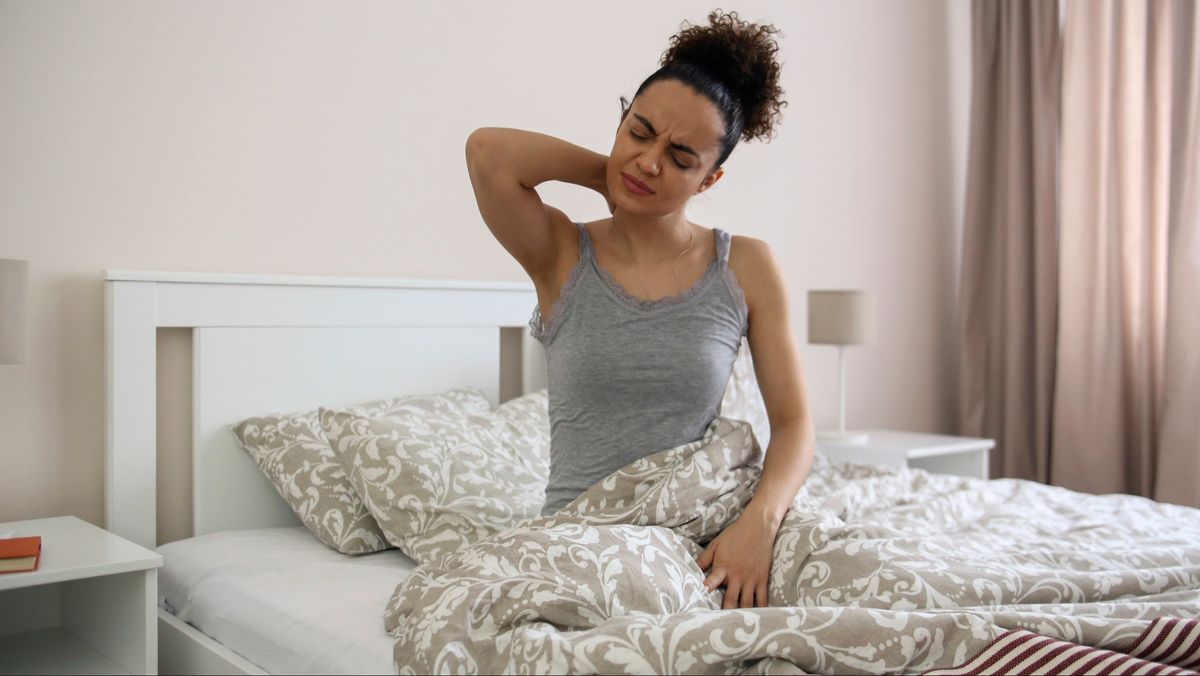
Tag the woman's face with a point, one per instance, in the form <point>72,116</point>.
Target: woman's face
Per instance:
<point>669,140</point>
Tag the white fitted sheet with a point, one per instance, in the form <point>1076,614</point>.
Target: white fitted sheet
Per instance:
<point>283,600</point>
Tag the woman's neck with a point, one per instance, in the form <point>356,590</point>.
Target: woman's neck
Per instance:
<point>652,239</point>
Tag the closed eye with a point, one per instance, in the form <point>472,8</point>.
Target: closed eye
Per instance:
<point>639,137</point>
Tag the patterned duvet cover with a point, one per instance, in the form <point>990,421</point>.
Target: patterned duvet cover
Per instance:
<point>875,571</point>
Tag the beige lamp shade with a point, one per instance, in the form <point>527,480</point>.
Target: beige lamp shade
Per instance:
<point>14,289</point>
<point>840,318</point>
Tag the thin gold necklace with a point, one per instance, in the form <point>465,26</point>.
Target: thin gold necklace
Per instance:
<point>678,288</point>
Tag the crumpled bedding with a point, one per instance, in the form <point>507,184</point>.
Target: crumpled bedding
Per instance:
<point>875,570</point>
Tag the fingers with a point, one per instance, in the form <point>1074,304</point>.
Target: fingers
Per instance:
<point>742,595</point>
<point>740,592</point>
<point>732,590</point>
<point>747,598</point>
<point>714,580</point>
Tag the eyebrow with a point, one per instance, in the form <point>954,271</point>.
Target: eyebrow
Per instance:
<point>679,146</point>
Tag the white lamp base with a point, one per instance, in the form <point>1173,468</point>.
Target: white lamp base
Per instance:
<point>844,437</point>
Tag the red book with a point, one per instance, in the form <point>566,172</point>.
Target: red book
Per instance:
<point>18,555</point>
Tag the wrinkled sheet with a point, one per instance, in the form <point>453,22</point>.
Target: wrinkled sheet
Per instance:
<point>875,570</point>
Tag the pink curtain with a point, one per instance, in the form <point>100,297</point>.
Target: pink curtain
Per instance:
<point>1009,279</point>
<point>1080,305</point>
<point>1127,410</point>
<point>1177,476</point>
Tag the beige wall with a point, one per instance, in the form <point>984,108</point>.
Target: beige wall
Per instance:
<point>327,139</point>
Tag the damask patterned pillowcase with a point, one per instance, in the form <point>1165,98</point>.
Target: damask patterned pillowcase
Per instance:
<point>441,478</point>
<point>294,453</point>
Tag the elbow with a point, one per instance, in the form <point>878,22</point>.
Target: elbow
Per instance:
<point>808,431</point>
<point>474,140</point>
<point>479,139</point>
<point>800,428</point>
<point>480,148</point>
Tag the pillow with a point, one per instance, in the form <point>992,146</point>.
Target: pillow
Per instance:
<point>440,478</point>
<point>742,400</point>
<point>293,452</point>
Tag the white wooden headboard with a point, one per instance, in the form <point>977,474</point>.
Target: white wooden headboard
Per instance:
<point>266,344</point>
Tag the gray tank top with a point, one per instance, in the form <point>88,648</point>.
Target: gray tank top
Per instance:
<point>629,377</point>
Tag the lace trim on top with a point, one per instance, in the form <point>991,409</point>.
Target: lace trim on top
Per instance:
<point>667,301</point>
<point>543,333</point>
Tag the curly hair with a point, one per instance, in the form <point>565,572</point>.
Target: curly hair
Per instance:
<point>733,63</point>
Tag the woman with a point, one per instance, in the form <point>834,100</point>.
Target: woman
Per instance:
<point>642,314</point>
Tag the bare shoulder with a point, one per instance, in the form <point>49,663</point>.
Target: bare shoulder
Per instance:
<point>754,264</point>
<point>743,249</point>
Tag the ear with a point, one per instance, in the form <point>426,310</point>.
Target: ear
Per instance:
<point>710,180</point>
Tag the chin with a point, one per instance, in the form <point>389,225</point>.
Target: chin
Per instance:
<point>631,207</point>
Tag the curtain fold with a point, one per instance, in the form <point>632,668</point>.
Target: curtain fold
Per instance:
<point>1177,477</point>
<point>1079,309</point>
<point>1008,292</point>
<point>1124,117</point>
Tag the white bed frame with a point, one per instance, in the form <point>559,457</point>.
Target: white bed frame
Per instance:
<point>277,344</point>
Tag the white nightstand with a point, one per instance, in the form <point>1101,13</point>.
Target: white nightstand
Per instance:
<point>89,608</point>
<point>965,456</point>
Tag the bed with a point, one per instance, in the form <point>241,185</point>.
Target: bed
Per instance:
<point>277,343</point>
<point>284,599</point>
<point>880,569</point>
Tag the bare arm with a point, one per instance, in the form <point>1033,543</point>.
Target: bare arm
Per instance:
<point>741,556</point>
<point>505,166</point>
<point>781,381</point>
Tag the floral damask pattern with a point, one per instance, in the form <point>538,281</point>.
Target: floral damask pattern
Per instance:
<point>294,453</point>
<point>437,477</point>
<point>876,571</point>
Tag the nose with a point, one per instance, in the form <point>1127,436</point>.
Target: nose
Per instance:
<point>651,160</point>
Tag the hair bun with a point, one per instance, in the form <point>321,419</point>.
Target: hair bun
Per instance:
<point>740,54</point>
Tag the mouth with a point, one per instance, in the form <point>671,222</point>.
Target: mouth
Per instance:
<point>635,186</point>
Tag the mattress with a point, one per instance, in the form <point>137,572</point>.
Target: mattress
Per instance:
<point>283,600</point>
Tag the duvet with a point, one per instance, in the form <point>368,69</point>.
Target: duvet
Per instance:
<point>875,571</point>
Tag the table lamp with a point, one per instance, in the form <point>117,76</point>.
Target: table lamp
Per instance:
<point>840,318</point>
<point>14,286</point>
